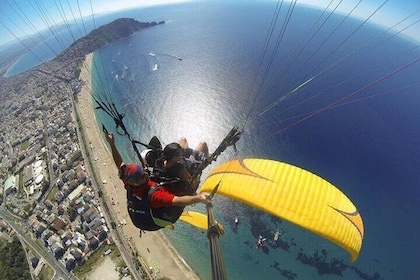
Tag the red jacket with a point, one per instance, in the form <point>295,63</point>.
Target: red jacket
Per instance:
<point>160,198</point>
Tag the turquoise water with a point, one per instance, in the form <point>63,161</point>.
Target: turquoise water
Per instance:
<point>192,77</point>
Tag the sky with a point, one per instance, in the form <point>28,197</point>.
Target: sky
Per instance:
<point>389,12</point>
<point>22,18</point>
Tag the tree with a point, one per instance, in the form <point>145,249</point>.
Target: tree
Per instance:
<point>13,264</point>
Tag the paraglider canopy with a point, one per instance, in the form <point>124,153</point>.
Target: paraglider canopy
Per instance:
<point>293,194</point>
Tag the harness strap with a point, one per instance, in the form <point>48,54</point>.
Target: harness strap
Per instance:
<point>160,222</point>
<point>151,191</point>
<point>157,221</point>
<point>131,209</point>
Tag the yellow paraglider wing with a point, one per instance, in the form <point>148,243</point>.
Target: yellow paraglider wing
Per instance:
<point>293,194</point>
<point>196,219</point>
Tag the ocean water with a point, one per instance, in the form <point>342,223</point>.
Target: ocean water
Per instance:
<point>195,76</point>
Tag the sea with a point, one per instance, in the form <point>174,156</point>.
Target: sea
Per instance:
<point>339,99</point>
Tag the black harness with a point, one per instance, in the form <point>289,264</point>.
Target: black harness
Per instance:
<point>146,218</point>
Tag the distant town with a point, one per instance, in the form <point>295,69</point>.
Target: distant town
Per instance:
<point>44,182</point>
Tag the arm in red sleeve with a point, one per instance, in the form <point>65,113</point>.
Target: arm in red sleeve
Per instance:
<point>161,198</point>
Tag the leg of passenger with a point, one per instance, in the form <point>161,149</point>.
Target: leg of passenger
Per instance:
<point>183,143</point>
<point>202,147</point>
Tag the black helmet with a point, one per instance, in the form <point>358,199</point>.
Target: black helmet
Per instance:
<point>172,150</point>
<point>150,156</point>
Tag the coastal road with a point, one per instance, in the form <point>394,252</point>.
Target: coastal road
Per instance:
<point>123,247</point>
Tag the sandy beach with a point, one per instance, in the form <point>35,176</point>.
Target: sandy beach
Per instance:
<point>152,247</point>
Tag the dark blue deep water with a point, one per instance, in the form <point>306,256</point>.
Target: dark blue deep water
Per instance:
<point>195,76</point>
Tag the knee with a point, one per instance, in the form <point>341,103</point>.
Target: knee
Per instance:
<point>202,147</point>
<point>183,142</point>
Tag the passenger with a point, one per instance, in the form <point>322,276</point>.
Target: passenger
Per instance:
<point>176,167</point>
<point>171,169</point>
<point>150,206</point>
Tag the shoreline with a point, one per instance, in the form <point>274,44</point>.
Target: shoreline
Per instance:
<point>154,248</point>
